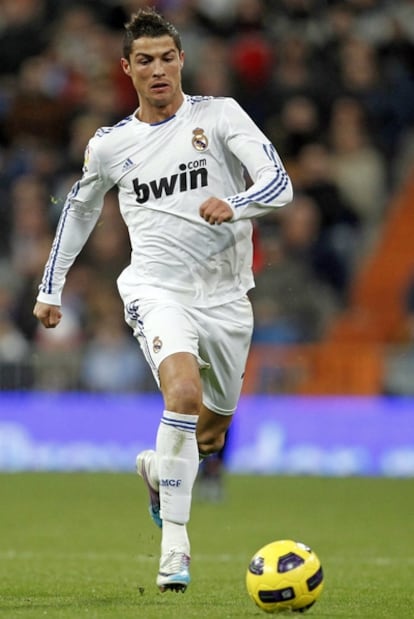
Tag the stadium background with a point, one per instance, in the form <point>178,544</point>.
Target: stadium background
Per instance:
<point>330,379</point>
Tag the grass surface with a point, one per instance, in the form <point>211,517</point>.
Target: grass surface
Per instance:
<point>83,546</point>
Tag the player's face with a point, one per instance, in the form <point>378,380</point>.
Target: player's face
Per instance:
<point>154,67</point>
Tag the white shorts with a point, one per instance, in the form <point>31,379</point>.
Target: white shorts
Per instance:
<point>219,337</point>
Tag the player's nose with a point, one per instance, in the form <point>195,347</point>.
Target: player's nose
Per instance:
<point>158,68</point>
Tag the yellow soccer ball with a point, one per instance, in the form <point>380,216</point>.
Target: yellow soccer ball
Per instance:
<point>284,576</point>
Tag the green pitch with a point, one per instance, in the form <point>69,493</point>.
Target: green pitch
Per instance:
<point>80,546</point>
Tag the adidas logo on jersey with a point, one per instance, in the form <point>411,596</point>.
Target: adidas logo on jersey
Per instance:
<point>127,164</point>
<point>192,175</point>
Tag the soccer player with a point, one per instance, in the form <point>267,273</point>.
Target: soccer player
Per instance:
<point>179,164</point>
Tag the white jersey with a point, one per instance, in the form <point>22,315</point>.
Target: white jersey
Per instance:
<point>164,172</point>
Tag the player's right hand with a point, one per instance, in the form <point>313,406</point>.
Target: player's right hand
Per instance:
<point>215,211</point>
<point>49,315</point>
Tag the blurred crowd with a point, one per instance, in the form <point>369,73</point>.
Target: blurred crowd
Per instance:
<point>331,82</point>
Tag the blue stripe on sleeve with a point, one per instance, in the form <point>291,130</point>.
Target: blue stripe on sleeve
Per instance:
<point>47,282</point>
<point>272,189</point>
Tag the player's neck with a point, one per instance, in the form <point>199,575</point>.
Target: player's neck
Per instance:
<point>151,114</point>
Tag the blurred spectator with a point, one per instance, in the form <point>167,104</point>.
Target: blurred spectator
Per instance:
<point>216,16</point>
<point>338,236</point>
<point>30,235</point>
<point>387,97</point>
<point>13,345</point>
<point>372,22</point>
<point>358,169</point>
<point>216,82</point>
<point>30,228</point>
<point>303,16</point>
<point>338,25</point>
<point>296,125</point>
<point>291,305</point>
<point>251,58</point>
<point>294,73</point>
<point>34,110</point>
<point>15,350</point>
<point>399,50</point>
<point>23,31</point>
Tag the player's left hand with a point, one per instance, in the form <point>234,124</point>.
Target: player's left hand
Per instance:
<point>215,211</point>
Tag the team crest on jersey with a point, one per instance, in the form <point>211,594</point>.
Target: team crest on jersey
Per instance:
<point>156,344</point>
<point>199,141</point>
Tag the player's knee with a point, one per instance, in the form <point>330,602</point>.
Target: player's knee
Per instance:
<point>183,396</point>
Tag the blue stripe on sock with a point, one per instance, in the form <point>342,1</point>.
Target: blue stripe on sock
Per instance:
<point>187,426</point>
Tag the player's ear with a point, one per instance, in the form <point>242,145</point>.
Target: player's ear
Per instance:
<point>126,67</point>
<point>181,58</point>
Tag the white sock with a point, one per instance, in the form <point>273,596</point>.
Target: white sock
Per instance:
<point>174,536</point>
<point>177,459</point>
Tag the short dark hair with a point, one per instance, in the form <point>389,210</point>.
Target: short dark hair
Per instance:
<point>147,22</point>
